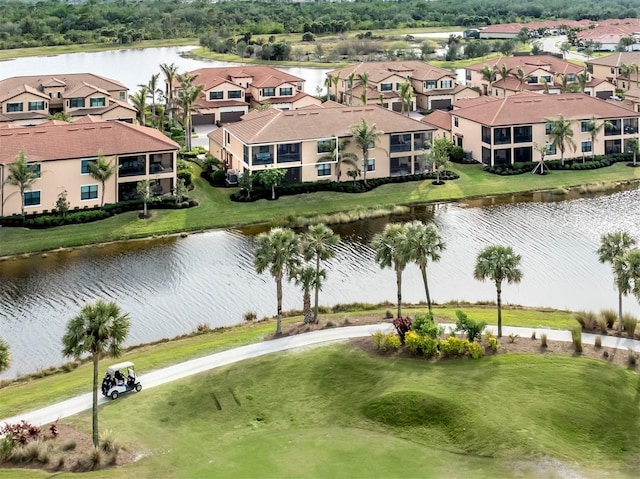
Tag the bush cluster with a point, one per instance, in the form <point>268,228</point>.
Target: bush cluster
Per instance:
<point>87,215</point>
<point>289,189</point>
<point>386,342</point>
<point>573,164</point>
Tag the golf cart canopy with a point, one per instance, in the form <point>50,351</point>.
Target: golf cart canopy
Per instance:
<point>117,367</point>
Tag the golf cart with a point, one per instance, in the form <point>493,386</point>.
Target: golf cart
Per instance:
<point>115,382</point>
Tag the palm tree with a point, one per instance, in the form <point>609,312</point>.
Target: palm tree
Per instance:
<point>152,90</point>
<point>318,243</point>
<point>99,329</point>
<point>187,97</point>
<point>328,82</point>
<point>139,100</point>
<point>488,75</point>
<point>308,278</point>
<point>101,170</point>
<point>5,355</point>
<point>521,76</point>
<point>498,263</point>
<point>335,79</point>
<point>364,81</point>
<point>594,128</point>
<point>340,156</point>
<point>406,95</point>
<point>561,134</point>
<point>23,175</point>
<point>564,83</point>
<point>278,252</point>
<point>626,269</point>
<point>582,79</point>
<point>425,244</point>
<point>612,247</point>
<point>170,72</point>
<point>352,76</point>
<point>391,248</point>
<point>626,73</point>
<point>504,73</point>
<point>365,136</point>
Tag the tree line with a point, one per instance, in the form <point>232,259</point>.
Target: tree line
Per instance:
<point>54,22</point>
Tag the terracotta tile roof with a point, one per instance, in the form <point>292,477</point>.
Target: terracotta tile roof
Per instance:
<point>438,118</point>
<point>617,59</point>
<point>380,71</point>
<point>530,64</point>
<point>261,75</point>
<point>81,140</point>
<point>503,28</point>
<point>22,89</point>
<point>216,136</point>
<point>66,79</point>
<point>469,102</point>
<point>83,90</point>
<point>24,115</point>
<point>88,119</point>
<point>274,126</point>
<point>527,108</point>
<point>54,122</point>
<point>221,103</point>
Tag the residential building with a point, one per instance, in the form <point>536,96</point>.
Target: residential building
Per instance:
<point>304,142</point>
<point>622,69</point>
<point>441,121</point>
<point>434,88</point>
<point>30,100</point>
<point>229,92</point>
<point>512,129</point>
<point>62,152</point>
<point>538,73</point>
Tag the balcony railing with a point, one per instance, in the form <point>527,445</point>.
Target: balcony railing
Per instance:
<point>262,159</point>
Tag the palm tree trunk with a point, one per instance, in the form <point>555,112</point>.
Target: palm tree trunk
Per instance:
<point>423,270</point>
<point>499,303</point>
<point>317,292</point>
<point>102,197</point>
<point>279,315</point>
<point>399,286</point>
<point>620,311</point>
<point>306,308</point>
<point>94,408</point>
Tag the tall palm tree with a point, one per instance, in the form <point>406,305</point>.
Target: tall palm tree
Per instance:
<point>582,80</point>
<point>365,136</point>
<point>308,278</point>
<point>278,252</point>
<point>391,248</point>
<point>335,79</point>
<point>187,97</point>
<point>504,73</point>
<point>99,329</point>
<point>328,82</point>
<point>626,269</point>
<point>406,95</point>
<point>594,128</point>
<point>561,135</point>
<point>5,355</point>
<point>21,174</point>
<point>521,76</point>
<point>152,90</point>
<point>170,72</point>
<point>101,170</point>
<point>139,100</point>
<point>318,244</point>
<point>613,246</point>
<point>564,84</point>
<point>364,81</point>
<point>352,77</point>
<point>425,244</point>
<point>488,75</point>
<point>341,156</point>
<point>626,73</point>
<point>498,263</point>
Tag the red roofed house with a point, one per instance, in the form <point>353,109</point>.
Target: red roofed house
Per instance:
<point>229,92</point>
<point>506,130</point>
<point>61,153</point>
<point>29,100</point>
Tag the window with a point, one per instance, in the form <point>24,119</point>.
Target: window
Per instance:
<point>431,84</point>
<point>326,146</point>
<point>11,107</point>
<point>88,192</point>
<point>400,142</point>
<point>523,155</point>
<point>123,95</point>
<point>268,92</point>
<point>547,128</point>
<point>532,80</point>
<point>234,94</point>
<point>551,149</point>
<point>546,78</point>
<point>31,198</point>
<point>371,164</point>
<point>36,105</point>
<point>286,91</point>
<point>486,135</point>
<point>446,84</point>
<point>502,157</point>
<point>455,121</point>
<point>502,136</point>
<point>522,134</point>
<point>216,95</point>
<point>36,168</point>
<point>288,152</point>
<point>96,102</point>
<point>571,77</point>
<point>584,126</point>
<point>85,169</point>
<point>586,146</point>
<point>486,155</point>
<point>76,103</point>
<point>613,71</point>
<point>386,86</point>
<point>299,86</point>
<point>614,127</point>
<point>324,169</point>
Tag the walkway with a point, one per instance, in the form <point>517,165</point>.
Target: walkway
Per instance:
<point>81,403</point>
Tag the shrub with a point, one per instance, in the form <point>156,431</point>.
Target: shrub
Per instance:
<point>493,344</point>
<point>576,338</point>
<point>69,446</point>
<point>452,347</point>
<point>533,335</point>
<point>476,351</point>
<point>388,314</point>
<point>609,316</point>
<point>632,358</point>
<point>20,433</point>
<point>630,323</point>
<point>390,342</point>
<point>94,461</point>
<point>597,342</point>
<point>108,442</point>
<point>587,319</point>
<point>472,328</point>
<point>421,344</point>
<point>402,325</point>
<point>424,324</point>
<point>250,316</point>
<point>512,338</point>
<point>543,341</point>
<point>413,341</point>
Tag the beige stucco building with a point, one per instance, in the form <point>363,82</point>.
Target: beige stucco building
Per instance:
<point>303,142</point>
<point>61,153</point>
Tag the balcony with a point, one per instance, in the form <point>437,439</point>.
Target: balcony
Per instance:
<point>400,143</point>
<point>161,163</point>
<point>132,166</point>
<point>262,159</point>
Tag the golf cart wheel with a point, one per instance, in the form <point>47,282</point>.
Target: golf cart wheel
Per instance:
<point>138,388</point>
<point>114,395</point>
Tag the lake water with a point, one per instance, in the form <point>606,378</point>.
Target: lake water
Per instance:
<point>171,285</point>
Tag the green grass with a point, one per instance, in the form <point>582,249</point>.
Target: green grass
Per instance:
<point>333,412</point>
<point>217,211</point>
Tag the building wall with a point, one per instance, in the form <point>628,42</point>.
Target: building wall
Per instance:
<point>25,98</point>
<point>257,94</point>
<point>225,88</point>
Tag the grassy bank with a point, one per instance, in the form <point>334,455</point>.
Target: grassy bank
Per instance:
<point>322,412</point>
<point>217,211</point>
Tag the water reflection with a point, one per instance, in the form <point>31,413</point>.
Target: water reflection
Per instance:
<point>171,285</point>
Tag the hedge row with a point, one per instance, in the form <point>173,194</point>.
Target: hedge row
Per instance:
<point>49,220</point>
<point>288,189</point>
<point>572,164</point>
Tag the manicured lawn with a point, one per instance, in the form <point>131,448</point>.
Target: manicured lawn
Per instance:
<point>334,412</point>
<point>217,211</point>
